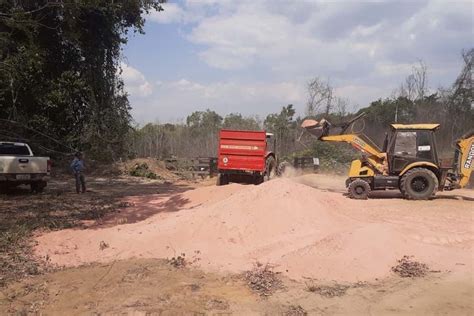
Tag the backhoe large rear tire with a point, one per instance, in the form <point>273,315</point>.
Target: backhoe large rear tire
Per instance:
<point>359,189</point>
<point>419,184</point>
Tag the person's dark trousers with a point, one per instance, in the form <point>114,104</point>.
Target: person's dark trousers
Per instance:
<point>80,183</point>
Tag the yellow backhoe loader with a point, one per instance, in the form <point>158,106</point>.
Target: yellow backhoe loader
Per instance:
<point>408,160</point>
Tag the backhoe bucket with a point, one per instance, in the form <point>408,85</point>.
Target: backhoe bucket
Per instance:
<point>314,127</point>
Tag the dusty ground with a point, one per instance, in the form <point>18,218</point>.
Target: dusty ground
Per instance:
<point>309,230</point>
<point>150,286</point>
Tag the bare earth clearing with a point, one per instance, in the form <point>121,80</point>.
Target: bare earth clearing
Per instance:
<point>304,226</point>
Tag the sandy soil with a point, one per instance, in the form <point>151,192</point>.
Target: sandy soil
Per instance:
<point>152,287</point>
<point>288,224</point>
<point>305,226</point>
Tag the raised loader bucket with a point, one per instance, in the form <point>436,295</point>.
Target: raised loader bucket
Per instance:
<point>309,123</point>
<point>313,127</point>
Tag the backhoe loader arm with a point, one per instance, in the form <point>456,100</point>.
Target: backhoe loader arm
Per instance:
<point>323,131</point>
<point>376,158</point>
<point>356,142</point>
<point>465,159</point>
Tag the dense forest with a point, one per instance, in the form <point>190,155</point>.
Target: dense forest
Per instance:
<point>61,91</point>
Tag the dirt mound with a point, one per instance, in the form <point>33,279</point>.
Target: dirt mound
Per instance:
<point>301,231</point>
<point>147,168</point>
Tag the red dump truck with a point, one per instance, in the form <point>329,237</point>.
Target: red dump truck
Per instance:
<point>245,156</point>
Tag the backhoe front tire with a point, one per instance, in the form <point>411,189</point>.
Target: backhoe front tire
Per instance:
<point>359,189</point>
<point>419,184</point>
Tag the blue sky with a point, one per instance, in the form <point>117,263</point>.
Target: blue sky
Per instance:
<point>254,57</point>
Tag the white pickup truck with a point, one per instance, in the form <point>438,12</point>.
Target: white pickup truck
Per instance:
<point>19,166</point>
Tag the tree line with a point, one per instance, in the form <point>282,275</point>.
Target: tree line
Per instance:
<point>411,102</point>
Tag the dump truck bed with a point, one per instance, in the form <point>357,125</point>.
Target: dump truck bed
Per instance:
<point>242,150</point>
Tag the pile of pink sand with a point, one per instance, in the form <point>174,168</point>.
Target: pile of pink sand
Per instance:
<point>301,230</point>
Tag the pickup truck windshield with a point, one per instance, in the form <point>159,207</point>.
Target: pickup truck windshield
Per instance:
<point>7,149</point>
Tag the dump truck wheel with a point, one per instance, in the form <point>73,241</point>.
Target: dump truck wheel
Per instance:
<point>359,189</point>
<point>270,168</point>
<point>282,167</point>
<point>222,179</point>
<point>258,180</point>
<point>419,184</point>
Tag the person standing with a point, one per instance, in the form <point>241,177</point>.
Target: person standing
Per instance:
<point>78,167</point>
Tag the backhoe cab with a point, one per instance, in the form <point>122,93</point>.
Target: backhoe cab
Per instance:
<point>408,160</point>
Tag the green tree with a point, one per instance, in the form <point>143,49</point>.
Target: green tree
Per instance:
<point>207,120</point>
<point>59,69</point>
<point>237,121</point>
<point>283,126</point>
<point>203,129</point>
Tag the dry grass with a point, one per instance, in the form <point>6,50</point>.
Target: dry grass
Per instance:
<point>408,268</point>
<point>178,261</point>
<point>331,290</point>
<point>295,310</point>
<point>263,280</point>
<point>328,290</point>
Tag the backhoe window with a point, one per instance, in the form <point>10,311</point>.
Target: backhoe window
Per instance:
<point>405,144</point>
<point>414,144</point>
<point>423,145</point>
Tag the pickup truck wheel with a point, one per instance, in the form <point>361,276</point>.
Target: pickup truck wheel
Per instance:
<point>270,168</point>
<point>38,187</point>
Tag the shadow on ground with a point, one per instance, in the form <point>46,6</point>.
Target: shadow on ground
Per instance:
<point>59,207</point>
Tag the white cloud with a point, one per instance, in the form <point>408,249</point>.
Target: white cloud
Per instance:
<point>241,39</point>
<point>389,69</point>
<point>323,38</point>
<point>174,100</point>
<point>250,37</point>
<point>135,82</point>
<point>365,48</point>
<point>172,13</point>
<point>179,98</point>
<point>359,94</point>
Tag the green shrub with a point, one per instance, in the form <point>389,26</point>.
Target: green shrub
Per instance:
<point>332,157</point>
